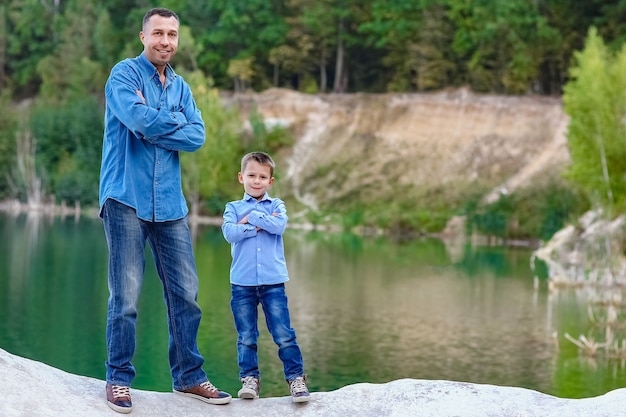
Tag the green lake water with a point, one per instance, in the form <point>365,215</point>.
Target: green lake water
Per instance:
<point>364,310</point>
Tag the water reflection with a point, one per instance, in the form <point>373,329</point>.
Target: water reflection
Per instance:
<point>366,310</point>
<point>416,314</point>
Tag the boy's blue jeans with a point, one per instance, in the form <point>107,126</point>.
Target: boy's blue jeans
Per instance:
<point>173,253</point>
<point>244,304</point>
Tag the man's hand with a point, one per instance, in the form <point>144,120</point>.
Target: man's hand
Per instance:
<point>141,96</point>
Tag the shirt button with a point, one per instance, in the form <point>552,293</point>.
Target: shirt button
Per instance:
<point>259,249</point>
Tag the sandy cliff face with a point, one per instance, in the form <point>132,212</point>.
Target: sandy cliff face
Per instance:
<point>359,146</point>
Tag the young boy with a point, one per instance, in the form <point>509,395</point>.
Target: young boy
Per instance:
<point>254,227</point>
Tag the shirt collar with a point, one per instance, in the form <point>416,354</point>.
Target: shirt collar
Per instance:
<point>248,197</point>
<point>150,69</point>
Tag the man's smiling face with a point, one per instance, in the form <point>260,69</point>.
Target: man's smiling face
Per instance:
<point>160,39</point>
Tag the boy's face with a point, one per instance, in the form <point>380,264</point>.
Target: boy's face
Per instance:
<point>256,179</point>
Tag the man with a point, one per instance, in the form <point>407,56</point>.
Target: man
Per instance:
<point>150,116</point>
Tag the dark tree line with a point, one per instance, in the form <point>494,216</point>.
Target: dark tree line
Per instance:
<point>64,48</point>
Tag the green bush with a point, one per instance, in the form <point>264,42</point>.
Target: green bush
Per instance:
<point>69,147</point>
<point>532,213</point>
<point>8,129</point>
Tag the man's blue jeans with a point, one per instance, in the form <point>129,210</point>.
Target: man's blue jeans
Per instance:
<point>244,304</point>
<point>171,247</point>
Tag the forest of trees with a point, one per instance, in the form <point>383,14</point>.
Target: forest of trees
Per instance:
<point>64,48</point>
<point>55,56</point>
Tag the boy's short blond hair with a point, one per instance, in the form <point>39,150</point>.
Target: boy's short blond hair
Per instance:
<point>260,157</point>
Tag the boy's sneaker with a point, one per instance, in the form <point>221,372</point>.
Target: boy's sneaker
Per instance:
<point>298,389</point>
<point>250,388</point>
<point>118,398</point>
<point>206,392</point>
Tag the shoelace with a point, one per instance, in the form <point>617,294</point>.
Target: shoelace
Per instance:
<point>208,386</point>
<point>120,391</point>
<point>250,382</point>
<point>298,386</point>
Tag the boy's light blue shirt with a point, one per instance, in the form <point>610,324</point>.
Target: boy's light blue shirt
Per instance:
<point>258,256</point>
<point>140,161</point>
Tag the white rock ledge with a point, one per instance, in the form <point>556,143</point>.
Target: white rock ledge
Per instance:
<point>33,389</point>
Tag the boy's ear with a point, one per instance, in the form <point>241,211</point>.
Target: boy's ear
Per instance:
<point>271,180</point>
<point>240,177</point>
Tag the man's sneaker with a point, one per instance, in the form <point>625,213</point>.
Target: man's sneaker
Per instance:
<point>206,392</point>
<point>118,398</point>
<point>250,388</point>
<point>298,389</point>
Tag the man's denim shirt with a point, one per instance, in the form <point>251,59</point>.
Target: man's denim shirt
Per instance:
<point>258,256</point>
<point>140,161</point>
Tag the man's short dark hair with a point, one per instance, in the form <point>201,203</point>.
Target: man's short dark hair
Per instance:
<point>161,11</point>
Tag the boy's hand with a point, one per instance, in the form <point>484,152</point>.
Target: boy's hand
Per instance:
<point>245,220</point>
